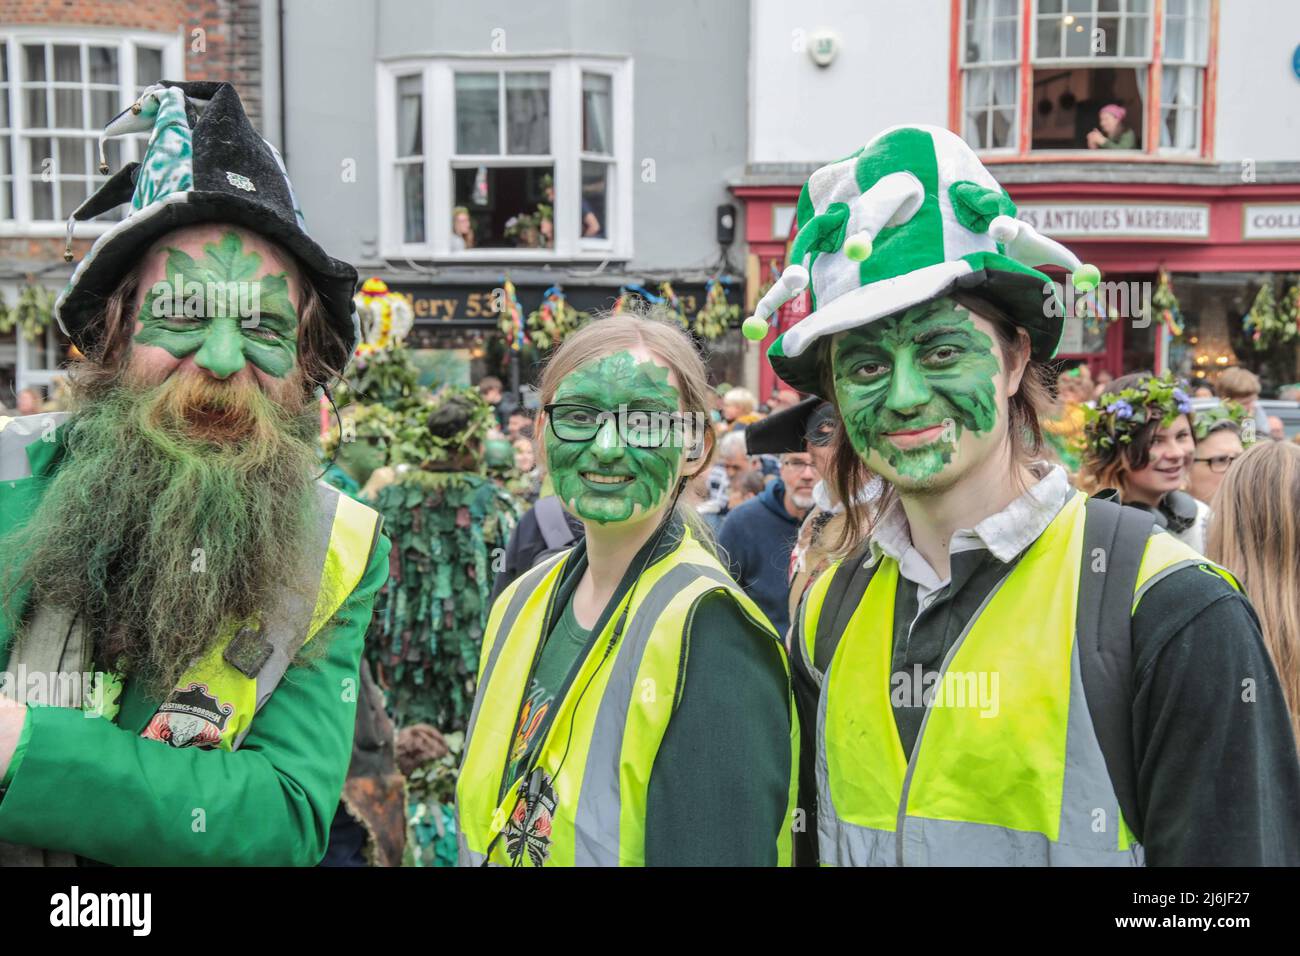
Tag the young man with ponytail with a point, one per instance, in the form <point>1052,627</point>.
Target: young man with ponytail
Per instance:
<point>999,670</point>
<point>633,705</point>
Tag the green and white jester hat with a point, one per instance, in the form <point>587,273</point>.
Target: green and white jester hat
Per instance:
<point>910,217</point>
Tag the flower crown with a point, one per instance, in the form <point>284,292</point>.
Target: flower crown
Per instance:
<point>1118,416</point>
<point>1225,414</point>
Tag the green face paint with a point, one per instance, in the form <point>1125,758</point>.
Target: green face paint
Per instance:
<point>909,386</point>
<point>614,381</point>
<point>222,310</point>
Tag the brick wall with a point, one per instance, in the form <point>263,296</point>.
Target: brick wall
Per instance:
<point>229,48</point>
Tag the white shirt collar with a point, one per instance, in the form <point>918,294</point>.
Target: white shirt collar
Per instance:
<point>869,492</point>
<point>1004,534</point>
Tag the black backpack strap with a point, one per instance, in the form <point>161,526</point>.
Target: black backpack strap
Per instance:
<point>843,595</point>
<point>1114,541</point>
<point>551,522</point>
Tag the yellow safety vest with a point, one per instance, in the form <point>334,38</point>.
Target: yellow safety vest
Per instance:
<point>595,761</point>
<point>215,701</point>
<point>345,535</point>
<point>1016,778</point>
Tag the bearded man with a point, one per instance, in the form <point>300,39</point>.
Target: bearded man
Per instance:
<point>167,551</point>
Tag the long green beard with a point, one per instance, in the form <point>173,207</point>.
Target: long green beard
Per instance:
<point>158,538</point>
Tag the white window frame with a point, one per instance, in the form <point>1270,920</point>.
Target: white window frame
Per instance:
<point>439,128</point>
<point>990,67</point>
<point>1198,61</point>
<point>126,41</point>
<point>1097,59</point>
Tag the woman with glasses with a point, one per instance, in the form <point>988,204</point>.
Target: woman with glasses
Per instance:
<point>1218,444</point>
<point>1139,446</point>
<point>633,704</point>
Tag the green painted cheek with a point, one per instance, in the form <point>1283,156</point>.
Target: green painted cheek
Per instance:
<point>625,381</point>
<point>203,307</point>
<point>178,343</point>
<point>275,359</point>
<point>957,395</point>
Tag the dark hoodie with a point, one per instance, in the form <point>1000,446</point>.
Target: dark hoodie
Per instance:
<point>758,537</point>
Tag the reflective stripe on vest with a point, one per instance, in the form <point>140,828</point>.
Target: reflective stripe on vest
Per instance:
<point>339,546</point>
<point>600,787</point>
<point>1012,777</point>
<point>332,566</point>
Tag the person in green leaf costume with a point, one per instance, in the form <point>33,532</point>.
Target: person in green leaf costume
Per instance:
<point>360,448</point>
<point>449,525</point>
<point>448,522</point>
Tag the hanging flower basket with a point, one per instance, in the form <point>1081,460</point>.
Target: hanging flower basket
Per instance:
<point>31,314</point>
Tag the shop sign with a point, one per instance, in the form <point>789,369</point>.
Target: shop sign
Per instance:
<point>1271,221</point>
<point>1107,220</point>
<point>478,306</point>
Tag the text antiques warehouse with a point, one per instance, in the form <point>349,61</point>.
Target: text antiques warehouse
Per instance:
<point>458,335</point>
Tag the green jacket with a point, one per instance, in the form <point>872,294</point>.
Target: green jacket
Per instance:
<point>96,788</point>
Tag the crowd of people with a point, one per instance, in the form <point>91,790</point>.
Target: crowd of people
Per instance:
<point>935,601</point>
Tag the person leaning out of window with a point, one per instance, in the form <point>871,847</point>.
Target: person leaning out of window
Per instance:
<point>1113,133</point>
<point>462,229</point>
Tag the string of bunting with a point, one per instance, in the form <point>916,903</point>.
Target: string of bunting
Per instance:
<point>512,317</point>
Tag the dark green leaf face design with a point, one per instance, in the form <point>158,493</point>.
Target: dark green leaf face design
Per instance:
<point>223,310</point>
<point>584,473</point>
<point>910,387</point>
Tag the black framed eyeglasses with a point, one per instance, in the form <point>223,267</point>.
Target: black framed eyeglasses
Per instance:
<point>1219,463</point>
<point>637,427</point>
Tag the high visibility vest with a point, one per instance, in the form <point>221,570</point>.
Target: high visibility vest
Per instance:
<point>1012,778</point>
<point>593,767</point>
<point>214,703</point>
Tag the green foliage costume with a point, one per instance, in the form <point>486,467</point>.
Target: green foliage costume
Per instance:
<point>429,617</point>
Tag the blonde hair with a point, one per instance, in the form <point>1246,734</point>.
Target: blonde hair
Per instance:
<point>655,329</point>
<point>1237,382</point>
<point>742,397</point>
<point>1255,534</point>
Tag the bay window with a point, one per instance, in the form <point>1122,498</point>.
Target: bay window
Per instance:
<point>1184,57</point>
<point>517,159</point>
<point>1093,75</point>
<point>991,61</point>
